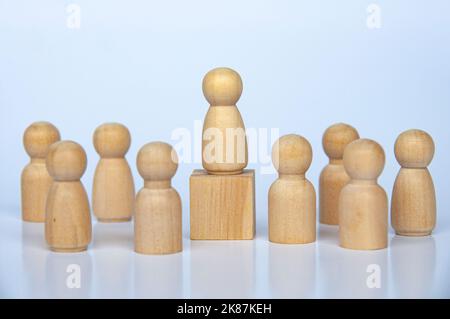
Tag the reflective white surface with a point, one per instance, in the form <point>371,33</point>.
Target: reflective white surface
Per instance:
<point>410,268</point>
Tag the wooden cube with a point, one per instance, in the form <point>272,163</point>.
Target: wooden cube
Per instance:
<point>222,206</point>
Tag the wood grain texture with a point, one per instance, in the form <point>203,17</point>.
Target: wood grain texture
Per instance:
<point>292,198</point>
<point>35,179</point>
<point>113,193</point>
<point>224,144</point>
<point>413,207</point>
<point>68,221</point>
<point>158,220</point>
<point>334,177</point>
<point>363,204</point>
<point>222,207</point>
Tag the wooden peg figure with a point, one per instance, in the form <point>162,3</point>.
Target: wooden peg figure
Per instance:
<point>224,143</point>
<point>113,188</point>
<point>68,220</point>
<point>157,225</point>
<point>334,177</point>
<point>413,211</point>
<point>35,179</point>
<point>363,204</point>
<point>292,198</point>
<point>222,195</point>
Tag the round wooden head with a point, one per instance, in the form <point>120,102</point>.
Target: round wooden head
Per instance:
<point>112,140</point>
<point>414,149</point>
<point>157,161</point>
<point>222,86</point>
<point>38,137</point>
<point>336,138</point>
<point>292,155</point>
<point>364,159</point>
<point>66,161</point>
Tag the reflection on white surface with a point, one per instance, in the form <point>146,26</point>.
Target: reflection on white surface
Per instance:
<point>113,245</point>
<point>46,273</point>
<point>413,266</point>
<point>410,267</point>
<point>34,259</point>
<point>222,269</point>
<point>158,276</point>
<point>292,270</point>
<point>59,272</point>
<point>346,272</point>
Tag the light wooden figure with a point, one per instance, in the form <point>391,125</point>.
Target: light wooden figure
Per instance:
<point>113,188</point>
<point>222,196</point>
<point>363,204</point>
<point>413,211</point>
<point>292,198</point>
<point>334,177</point>
<point>68,220</point>
<point>35,179</point>
<point>224,144</point>
<point>157,225</point>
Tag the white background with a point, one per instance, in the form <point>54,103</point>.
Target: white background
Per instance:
<point>305,65</point>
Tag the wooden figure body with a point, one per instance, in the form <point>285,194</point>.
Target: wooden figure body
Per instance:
<point>363,204</point>
<point>113,188</point>
<point>158,223</point>
<point>68,220</point>
<point>292,198</point>
<point>222,196</point>
<point>224,143</point>
<point>334,177</point>
<point>413,211</point>
<point>35,179</point>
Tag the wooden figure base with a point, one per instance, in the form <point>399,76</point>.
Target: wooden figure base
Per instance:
<point>414,234</point>
<point>32,221</point>
<point>68,250</point>
<point>222,207</point>
<point>362,248</point>
<point>114,220</point>
<point>155,253</point>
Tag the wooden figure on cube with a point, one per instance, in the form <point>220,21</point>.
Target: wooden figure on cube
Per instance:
<point>222,195</point>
